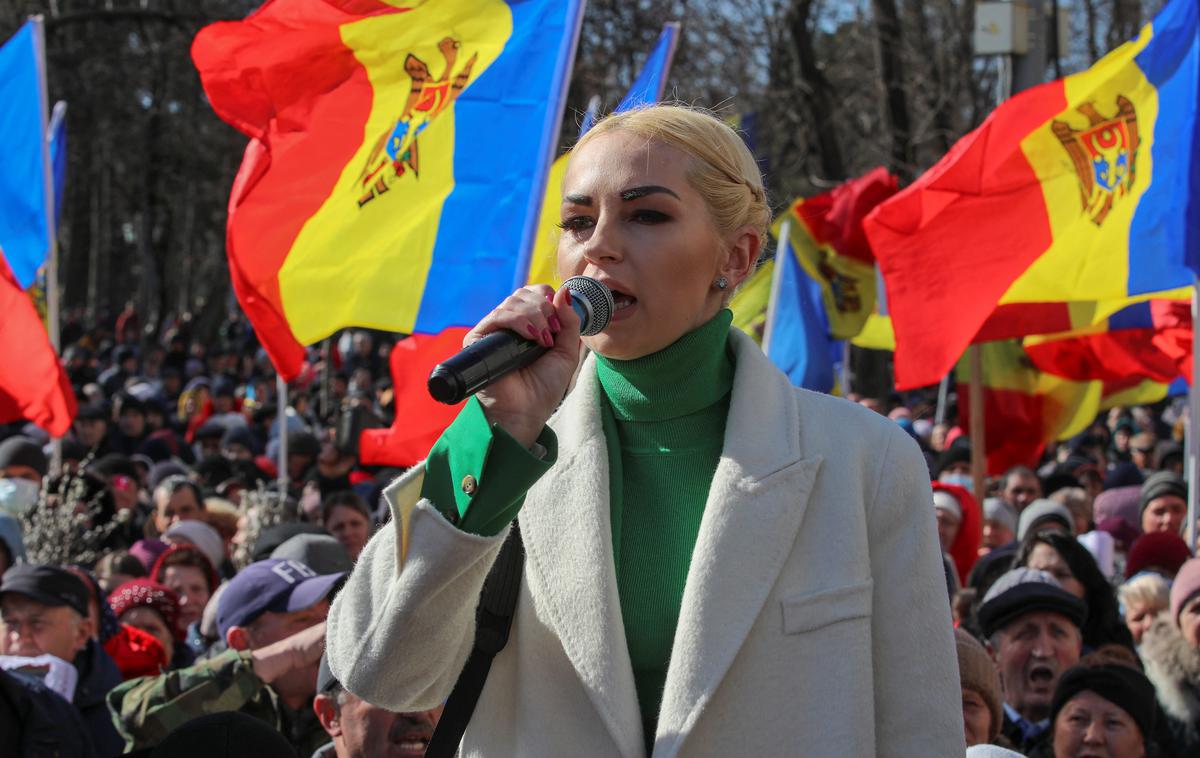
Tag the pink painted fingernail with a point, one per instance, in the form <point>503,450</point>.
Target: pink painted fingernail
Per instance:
<point>555,324</point>
<point>548,338</point>
<point>531,331</point>
<point>550,298</point>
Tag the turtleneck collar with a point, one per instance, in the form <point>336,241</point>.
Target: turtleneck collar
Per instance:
<point>692,373</point>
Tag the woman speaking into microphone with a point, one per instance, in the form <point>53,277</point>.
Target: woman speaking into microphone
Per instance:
<point>716,563</point>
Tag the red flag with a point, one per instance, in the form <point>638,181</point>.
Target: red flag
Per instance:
<point>420,419</point>
<point>33,385</point>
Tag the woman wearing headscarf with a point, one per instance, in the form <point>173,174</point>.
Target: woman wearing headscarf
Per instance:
<point>717,563</point>
<point>1105,710</point>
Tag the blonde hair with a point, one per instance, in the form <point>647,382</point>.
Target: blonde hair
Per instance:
<point>1149,590</point>
<point>723,169</point>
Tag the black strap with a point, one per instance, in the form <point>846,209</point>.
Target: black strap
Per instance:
<point>493,620</point>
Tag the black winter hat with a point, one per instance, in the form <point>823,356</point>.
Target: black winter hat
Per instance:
<point>1024,590</point>
<point>230,734</point>
<point>48,585</point>
<point>22,451</point>
<point>1124,687</point>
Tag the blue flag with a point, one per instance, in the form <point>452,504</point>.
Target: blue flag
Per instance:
<point>24,227</point>
<point>647,89</point>
<point>56,133</point>
<point>797,334</point>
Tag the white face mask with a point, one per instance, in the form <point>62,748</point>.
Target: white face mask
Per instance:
<point>18,496</point>
<point>962,480</point>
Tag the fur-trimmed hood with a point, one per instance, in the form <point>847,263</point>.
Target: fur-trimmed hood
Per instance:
<point>1173,666</point>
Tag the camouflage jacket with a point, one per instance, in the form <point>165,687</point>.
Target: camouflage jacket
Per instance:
<point>146,710</point>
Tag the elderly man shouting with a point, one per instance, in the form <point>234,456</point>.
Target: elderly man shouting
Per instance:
<point>1033,630</point>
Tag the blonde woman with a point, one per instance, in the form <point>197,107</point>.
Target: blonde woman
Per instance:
<point>716,562</point>
<point>1142,598</point>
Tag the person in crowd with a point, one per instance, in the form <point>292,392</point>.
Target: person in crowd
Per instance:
<point>345,515</point>
<point>1162,553</point>
<point>1163,503</point>
<point>176,499</point>
<point>90,428</point>
<point>186,570</point>
<point>320,552</point>
<point>117,567</point>
<point>12,543</point>
<point>981,693</point>
<point>1104,710</point>
<point>1142,598</point>
<point>1020,487</point>
<point>1170,651</point>
<point>226,734</point>
<point>665,205</point>
<point>361,730</point>
<point>999,524</point>
<point>954,465</point>
<point>37,721</point>
<point>130,430</point>
<point>153,608</point>
<point>1141,450</point>
<point>1079,503</point>
<point>1033,631</point>
<point>1043,514</point>
<point>272,617</point>
<point>1076,571</point>
<point>958,520</point>
<point>44,610</point>
<point>22,467</point>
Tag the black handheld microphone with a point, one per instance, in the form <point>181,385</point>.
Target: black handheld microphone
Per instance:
<point>483,362</point>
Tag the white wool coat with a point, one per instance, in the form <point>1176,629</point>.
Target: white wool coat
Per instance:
<point>814,621</point>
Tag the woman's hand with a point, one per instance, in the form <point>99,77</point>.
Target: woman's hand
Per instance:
<point>522,401</point>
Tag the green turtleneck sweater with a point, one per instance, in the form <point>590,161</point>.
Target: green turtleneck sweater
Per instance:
<point>664,423</point>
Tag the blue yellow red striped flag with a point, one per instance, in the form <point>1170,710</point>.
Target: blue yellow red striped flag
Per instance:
<point>395,151</point>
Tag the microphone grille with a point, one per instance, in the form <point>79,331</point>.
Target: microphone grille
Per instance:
<point>599,301</point>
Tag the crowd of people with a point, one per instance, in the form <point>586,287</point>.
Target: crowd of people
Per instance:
<point>161,595</point>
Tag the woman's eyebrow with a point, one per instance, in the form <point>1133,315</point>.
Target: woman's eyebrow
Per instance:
<point>635,193</point>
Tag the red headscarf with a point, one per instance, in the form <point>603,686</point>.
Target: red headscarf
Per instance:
<point>158,569</point>
<point>143,592</point>
<point>965,550</point>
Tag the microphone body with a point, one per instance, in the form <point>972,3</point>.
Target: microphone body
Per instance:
<point>486,360</point>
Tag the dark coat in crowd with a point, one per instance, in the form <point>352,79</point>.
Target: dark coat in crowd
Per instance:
<point>97,675</point>
<point>36,723</point>
<point>1173,666</point>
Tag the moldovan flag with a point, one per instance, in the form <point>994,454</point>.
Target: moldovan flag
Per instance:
<point>1082,189</point>
<point>827,234</point>
<point>395,152</point>
<point>647,89</point>
<point>796,337</point>
<point>1150,340</point>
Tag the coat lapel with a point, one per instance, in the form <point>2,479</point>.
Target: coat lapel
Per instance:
<point>755,506</point>
<point>567,530</point>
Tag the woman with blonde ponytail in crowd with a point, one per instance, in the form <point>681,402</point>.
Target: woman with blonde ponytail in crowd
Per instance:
<point>717,563</point>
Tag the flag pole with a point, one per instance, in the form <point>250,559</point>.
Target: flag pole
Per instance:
<point>281,400</point>
<point>1193,457</point>
<point>783,248</point>
<point>978,439</point>
<point>52,299</point>
<point>939,417</point>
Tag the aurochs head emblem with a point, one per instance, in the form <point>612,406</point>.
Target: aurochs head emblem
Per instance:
<point>396,152</point>
<point>1104,154</point>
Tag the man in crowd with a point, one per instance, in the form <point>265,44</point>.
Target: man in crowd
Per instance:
<point>1033,630</point>
<point>22,466</point>
<point>176,499</point>
<point>272,617</point>
<point>1020,488</point>
<point>361,730</point>
<point>44,611</point>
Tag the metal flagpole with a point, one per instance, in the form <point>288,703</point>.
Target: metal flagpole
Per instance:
<point>52,299</point>
<point>1193,457</point>
<point>281,399</point>
<point>783,248</point>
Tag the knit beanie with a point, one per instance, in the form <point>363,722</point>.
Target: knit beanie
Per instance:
<point>944,501</point>
<point>22,451</point>
<point>1121,503</point>
<point>1041,510</point>
<point>1185,587</point>
<point>1162,549</point>
<point>1160,484</point>
<point>1124,687</point>
<point>996,509</point>
<point>979,675</point>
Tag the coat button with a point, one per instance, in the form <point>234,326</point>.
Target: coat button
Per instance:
<point>469,485</point>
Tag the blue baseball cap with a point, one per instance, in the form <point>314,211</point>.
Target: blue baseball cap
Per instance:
<point>275,585</point>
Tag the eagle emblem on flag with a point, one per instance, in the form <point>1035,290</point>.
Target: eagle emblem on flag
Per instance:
<point>395,152</point>
<point>1104,155</point>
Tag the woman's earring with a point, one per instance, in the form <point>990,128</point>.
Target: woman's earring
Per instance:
<point>722,283</point>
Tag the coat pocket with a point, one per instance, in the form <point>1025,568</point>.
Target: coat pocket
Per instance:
<point>813,610</point>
